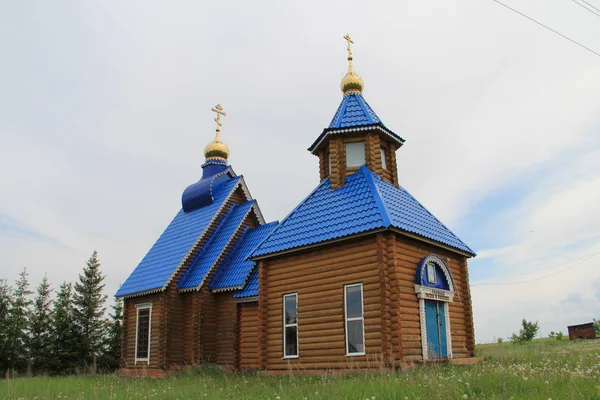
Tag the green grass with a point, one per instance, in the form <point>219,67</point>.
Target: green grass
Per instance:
<point>539,370</point>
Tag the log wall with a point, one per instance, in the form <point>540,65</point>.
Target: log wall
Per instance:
<point>319,276</point>
<point>129,331</point>
<point>408,253</point>
<point>248,336</point>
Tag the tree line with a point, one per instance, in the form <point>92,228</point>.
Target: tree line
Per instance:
<point>57,332</point>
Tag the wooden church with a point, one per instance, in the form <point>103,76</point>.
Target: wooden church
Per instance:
<point>359,275</point>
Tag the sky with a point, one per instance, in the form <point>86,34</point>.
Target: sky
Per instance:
<point>105,112</point>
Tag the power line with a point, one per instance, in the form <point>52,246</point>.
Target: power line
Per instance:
<point>536,279</point>
<point>585,8</point>
<point>547,27</point>
<point>591,5</point>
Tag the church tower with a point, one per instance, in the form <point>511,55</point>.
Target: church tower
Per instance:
<point>356,136</point>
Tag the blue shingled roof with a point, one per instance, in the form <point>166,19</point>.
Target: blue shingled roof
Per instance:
<point>214,247</point>
<point>251,288</point>
<point>354,111</point>
<point>175,243</point>
<point>364,203</point>
<point>234,270</point>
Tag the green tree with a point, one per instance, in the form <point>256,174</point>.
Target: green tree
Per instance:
<point>528,331</point>
<point>65,345</point>
<point>597,327</point>
<point>40,326</point>
<point>89,311</point>
<point>112,346</point>
<point>5,307</point>
<point>18,321</point>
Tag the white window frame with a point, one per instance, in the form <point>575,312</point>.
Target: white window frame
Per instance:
<point>383,160</point>
<point>143,306</point>
<point>290,326</point>
<point>364,156</point>
<point>361,318</point>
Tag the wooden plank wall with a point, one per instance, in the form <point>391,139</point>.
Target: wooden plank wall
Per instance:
<point>129,331</point>
<point>319,276</point>
<point>408,254</point>
<point>248,336</point>
<point>226,331</point>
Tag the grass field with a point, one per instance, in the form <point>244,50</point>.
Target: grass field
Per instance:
<point>543,369</point>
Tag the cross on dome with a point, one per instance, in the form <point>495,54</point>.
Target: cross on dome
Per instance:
<point>216,148</point>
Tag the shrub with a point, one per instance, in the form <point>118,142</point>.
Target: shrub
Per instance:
<point>500,340</point>
<point>527,332</point>
<point>597,327</point>
<point>559,335</point>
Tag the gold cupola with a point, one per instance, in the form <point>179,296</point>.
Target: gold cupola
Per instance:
<point>216,148</point>
<point>351,83</point>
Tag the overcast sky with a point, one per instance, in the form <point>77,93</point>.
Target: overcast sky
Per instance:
<point>105,112</point>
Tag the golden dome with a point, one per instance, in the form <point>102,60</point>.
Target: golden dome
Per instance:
<point>352,83</point>
<point>216,149</point>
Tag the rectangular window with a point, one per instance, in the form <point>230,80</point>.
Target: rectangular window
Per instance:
<point>143,330</point>
<point>355,154</point>
<point>355,322</point>
<point>383,161</point>
<point>431,273</point>
<point>290,325</point>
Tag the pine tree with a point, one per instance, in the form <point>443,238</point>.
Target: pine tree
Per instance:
<point>89,301</point>
<point>18,322</point>
<point>112,346</point>
<point>65,336</point>
<point>5,306</point>
<point>41,318</point>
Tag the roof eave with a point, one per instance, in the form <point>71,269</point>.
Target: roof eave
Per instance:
<point>309,246</point>
<point>433,242</point>
<point>333,131</point>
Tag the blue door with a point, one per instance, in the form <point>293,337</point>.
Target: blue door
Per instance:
<point>435,317</point>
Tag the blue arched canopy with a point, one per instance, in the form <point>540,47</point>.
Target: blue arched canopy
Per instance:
<point>432,271</point>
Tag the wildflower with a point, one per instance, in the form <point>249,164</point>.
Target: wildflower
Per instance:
<point>465,396</point>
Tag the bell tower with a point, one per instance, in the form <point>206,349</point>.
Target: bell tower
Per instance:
<point>356,136</point>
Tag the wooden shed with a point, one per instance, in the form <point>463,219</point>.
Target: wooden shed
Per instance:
<point>582,331</point>
<point>359,275</point>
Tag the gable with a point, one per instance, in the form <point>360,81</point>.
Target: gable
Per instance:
<point>216,245</point>
<point>237,266</point>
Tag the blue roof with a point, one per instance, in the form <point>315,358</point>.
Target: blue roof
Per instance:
<point>364,203</point>
<point>234,270</point>
<point>251,288</point>
<point>215,246</point>
<point>354,111</point>
<point>175,243</point>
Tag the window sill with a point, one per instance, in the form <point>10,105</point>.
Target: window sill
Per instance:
<point>142,360</point>
<point>356,354</point>
<point>289,357</point>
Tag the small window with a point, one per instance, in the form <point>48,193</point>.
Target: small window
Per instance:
<point>355,154</point>
<point>142,338</point>
<point>290,325</point>
<point>329,163</point>
<point>383,161</point>
<point>355,323</point>
<point>431,273</point>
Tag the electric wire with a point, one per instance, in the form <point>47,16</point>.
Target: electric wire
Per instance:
<point>585,8</point>
<point>536,279</point>
<point>547,27</point>
<point>591,5</point>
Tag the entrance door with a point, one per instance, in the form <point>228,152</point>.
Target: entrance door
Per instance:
<point>436,329</point>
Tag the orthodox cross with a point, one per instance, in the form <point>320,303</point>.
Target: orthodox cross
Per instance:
<point>219,110</point>
<point>349,40</point>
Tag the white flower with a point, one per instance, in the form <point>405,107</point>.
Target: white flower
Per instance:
<point>465,396</point>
